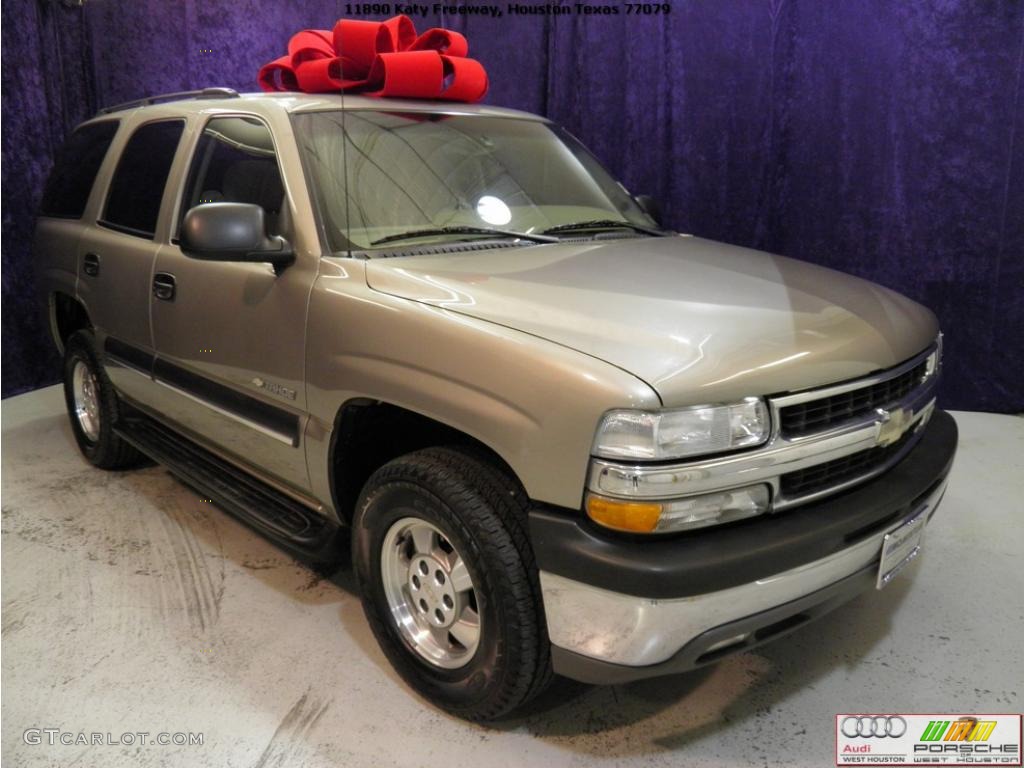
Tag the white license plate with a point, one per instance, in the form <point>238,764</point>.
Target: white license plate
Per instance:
<point>900,547</point>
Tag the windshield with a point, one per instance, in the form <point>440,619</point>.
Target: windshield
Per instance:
<point>419,172</point>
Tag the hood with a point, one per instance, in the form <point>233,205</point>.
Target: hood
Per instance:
<point>699,321</point>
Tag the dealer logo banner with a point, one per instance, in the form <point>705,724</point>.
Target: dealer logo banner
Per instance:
<point>902,739</point>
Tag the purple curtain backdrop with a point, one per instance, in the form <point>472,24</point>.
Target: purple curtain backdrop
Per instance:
<point>47,89</point>
<point>883,139</point>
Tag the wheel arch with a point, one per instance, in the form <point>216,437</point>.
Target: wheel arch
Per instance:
<point>67,315</point>
<point>369,433</point>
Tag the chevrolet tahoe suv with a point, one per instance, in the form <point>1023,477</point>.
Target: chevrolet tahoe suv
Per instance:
<point>557,437</point>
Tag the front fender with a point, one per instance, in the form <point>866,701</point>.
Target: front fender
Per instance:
<point>532,401</point>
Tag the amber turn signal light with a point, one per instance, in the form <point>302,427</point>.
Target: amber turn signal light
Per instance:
<point>634,516</point>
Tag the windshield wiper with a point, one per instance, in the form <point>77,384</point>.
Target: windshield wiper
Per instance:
<point>603,224</point>
<point>461,230</point>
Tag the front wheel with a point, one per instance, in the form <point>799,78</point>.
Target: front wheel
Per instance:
<point>448,582</point>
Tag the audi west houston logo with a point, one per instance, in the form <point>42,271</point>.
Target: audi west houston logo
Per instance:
<point>925,739</point>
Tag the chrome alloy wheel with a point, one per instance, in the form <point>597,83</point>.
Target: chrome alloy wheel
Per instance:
<point>430,593</point>
<point>87,400</point>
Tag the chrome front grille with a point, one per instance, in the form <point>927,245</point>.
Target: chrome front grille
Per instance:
<point>817,418</point>
<point>818,415</point>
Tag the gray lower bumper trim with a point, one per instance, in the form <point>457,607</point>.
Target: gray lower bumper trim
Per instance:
<point>623,629</point>
<point>714,644</point>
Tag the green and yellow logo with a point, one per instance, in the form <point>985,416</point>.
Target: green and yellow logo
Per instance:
<point>964,729</point>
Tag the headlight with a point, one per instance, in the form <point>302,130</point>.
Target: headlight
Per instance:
<point>934,360</point>
<point>679,514</point>
<point>672,434</point>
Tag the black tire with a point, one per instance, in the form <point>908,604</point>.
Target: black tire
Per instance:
<point>105,449</point>
<point>482,512</point>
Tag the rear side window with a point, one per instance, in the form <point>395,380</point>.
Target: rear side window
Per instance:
<point>133,203</point>
<point>74,170</point>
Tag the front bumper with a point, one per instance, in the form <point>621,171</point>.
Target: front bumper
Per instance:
<point>621,609</point>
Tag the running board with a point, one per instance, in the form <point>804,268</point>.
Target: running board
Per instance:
<point>255,503</point>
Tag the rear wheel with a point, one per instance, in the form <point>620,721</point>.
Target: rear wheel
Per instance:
<point>92,405</point>
<point>448,582</point>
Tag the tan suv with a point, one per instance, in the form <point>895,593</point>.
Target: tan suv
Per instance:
<point>563,439</point>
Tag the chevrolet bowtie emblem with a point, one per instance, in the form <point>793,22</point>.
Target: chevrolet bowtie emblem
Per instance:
<point>891,425</point>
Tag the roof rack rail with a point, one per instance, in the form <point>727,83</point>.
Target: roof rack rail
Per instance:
<point>204,93</point>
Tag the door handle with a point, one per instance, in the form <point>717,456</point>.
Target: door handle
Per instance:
<point>91,265</point>
<point>163,286</point>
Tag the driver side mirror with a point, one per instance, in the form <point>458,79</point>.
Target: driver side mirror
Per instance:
<point>233,232</point>
<point>650,206</point>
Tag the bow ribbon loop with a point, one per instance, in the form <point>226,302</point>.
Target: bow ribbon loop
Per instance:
<point>378,58</point>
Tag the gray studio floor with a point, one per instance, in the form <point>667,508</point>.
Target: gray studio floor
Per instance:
<point>130,605</point>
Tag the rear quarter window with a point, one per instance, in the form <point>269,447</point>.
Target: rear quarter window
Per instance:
<point>75,168</point>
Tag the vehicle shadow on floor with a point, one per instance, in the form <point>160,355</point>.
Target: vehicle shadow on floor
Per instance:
<point>669,713</point>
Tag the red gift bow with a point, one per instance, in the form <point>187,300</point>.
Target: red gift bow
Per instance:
<point>378,59</point>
